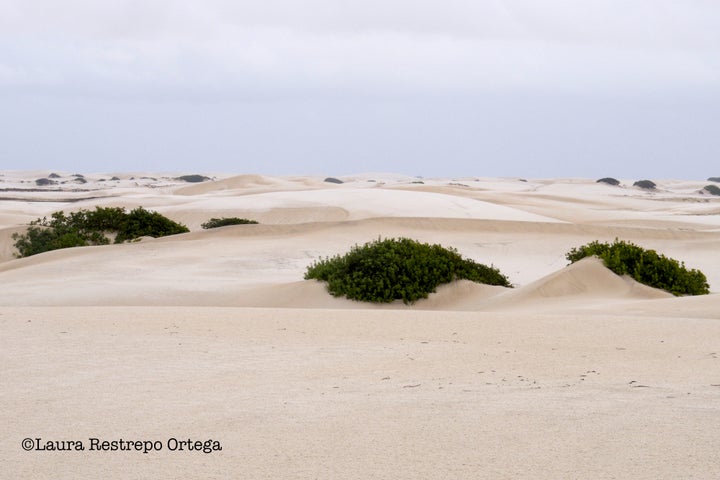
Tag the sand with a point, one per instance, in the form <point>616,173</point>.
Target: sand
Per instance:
<point>214,334</point>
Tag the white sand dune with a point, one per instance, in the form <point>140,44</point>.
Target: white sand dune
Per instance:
<point>587,282</point>
<point>574,373</point>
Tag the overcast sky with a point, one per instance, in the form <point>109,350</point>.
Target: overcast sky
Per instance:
<point>529,88</point>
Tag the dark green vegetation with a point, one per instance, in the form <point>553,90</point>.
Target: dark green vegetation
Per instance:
<point>712,189</point>
<point>92,227</point>
<point>645,266</point>
<point>193,178</point>
<point>610,181</point>
<point>646,184</point>
<point>333,180</point>
<point>43,182</point>
<point>714,179</point>
<point>225,221</point>
<point>398,269</point>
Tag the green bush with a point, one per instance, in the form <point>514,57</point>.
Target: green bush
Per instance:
<point>397,269</point>
<point>610,181</point>
<point>646,184</point>
<point>193,178</point>
<point>645,266</point>
<point>92,227</point>
<point>712,189</point>
<point>225,221</point>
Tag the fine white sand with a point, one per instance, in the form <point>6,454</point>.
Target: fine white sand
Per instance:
<point>214,334</point>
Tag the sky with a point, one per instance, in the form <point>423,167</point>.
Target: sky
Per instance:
<point>484,88</point>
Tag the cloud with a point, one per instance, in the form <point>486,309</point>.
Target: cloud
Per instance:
<point>278,47</point>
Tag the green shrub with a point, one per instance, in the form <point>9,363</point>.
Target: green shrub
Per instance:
<point>712,189</point>
<point>645,266</point>
<point>143,223</point>
<point>92,227</point>
<point>222,222</point>
<point>610,181</point>
<point>193,178</point>
<point>714,179</point>
<point>397,269</point>
<point>646,184</point>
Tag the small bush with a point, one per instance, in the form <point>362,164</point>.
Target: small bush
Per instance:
<point>714,179</point>
<point>712,189</point>
<point>397,269</point>
<point>43,182</point>
<point>610,181</point>
<point>193,178</point>
<point>92,227</point>
<point>53,175</point>
<point>333,180</point>
<point>646,184</point>
<point>645,266</point>
<point>225,221</point>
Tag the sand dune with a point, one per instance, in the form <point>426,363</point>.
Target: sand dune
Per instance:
<point>586,282</point>
<point>239,182</point>
<point>574,373</point>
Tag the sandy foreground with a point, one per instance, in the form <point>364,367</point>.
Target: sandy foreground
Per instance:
<point>215,336</point>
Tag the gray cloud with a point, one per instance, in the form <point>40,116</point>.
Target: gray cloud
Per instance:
<point>523,70</point>
<point>368,46</point>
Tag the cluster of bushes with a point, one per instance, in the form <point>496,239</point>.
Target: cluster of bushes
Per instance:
<point>645,266</point>
<point>407,270</point>
<point>378,271</point>
<point>398,269</point>
<point>225,221</point>
<point>92,227</point>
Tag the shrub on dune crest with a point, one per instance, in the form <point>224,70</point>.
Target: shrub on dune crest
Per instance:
<point>645,266</point>
<point>222,222</point>
<point>92,227</point>
<point>645,184</point>
<point>609,180</point>
<point>398,269</point>
<point>193,178</point>
<point>712,189</point>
